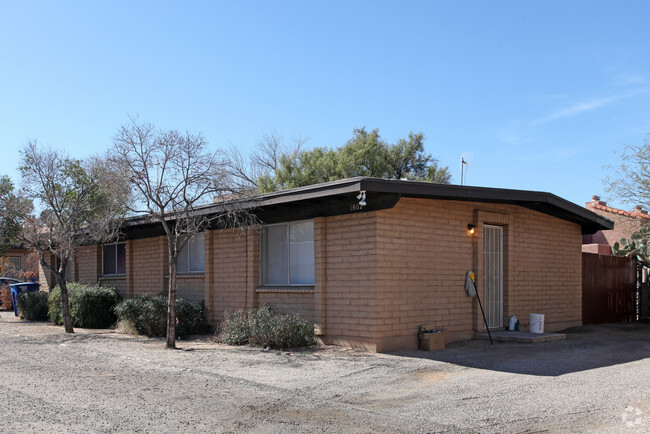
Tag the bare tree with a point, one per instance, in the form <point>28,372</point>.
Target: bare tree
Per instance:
<point>78,206</point>
<point>247,172</point>
<point>172,174</point>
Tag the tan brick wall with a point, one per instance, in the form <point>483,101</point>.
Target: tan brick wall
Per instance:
<point>289,303</point>
<point>233,257</point>
<point>117,283</point>
<point>379,275</point>
<point>88,264</point>
<point>190,287</point>
<point>46,277</point>
<point>424,252</point>
<point>346,270</point>
<point>147,267</point>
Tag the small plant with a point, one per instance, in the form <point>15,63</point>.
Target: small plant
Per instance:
<point>32,306</point>
<point>90,306</point>
<point>147,315</point>
<point>265,328</point>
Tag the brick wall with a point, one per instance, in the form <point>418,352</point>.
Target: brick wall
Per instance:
<point>117,283</point>
<point>346,270</point>
<point>190,286</point>
<point>232,264</point>
<point>379,275</point>
<point>147,266</point>
<point>289,302</point>
<point>421,268</point>
<point>88,264</point>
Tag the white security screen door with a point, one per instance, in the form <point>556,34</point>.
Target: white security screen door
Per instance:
<point>493,275</point>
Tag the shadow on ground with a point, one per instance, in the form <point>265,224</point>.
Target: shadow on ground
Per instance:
<point>586,347</point>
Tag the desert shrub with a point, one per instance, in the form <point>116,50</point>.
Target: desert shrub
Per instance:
<point>90,306</point>
<point>32,306</point>
<point>148,316</point>
<point>263,327</point>
<point>235,329</point>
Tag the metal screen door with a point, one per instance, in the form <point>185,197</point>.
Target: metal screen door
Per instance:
<point>493,275</point>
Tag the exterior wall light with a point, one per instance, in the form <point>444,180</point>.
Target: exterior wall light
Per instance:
<point>362,197</point>
<point>471,228</point>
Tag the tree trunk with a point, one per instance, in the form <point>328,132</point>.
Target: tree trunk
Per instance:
<point>171,307</point>
<point>65,304</point>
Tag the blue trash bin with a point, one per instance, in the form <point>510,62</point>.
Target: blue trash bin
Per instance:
<point>17,288</point>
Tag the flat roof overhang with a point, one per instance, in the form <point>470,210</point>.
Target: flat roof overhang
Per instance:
<point>339,197</point>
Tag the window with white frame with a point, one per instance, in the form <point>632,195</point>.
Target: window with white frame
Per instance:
<point>114,259</point>
<point>288,254</point>
<point>191,259</point>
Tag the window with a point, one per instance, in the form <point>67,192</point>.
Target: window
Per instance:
<point>114,259</point>
<point>288,254</point>
<point>192,258</point>
<point>15,261</point>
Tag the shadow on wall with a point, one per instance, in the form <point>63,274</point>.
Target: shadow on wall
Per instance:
<point>586,347</point>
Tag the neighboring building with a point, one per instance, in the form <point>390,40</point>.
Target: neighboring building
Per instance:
<point>369,272</point>
<point>19,263</point>
<point>625,223</point>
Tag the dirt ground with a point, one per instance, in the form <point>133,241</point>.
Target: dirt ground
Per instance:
<point>598,380</point>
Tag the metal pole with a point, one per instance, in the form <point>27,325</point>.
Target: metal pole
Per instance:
<point>483,313</point>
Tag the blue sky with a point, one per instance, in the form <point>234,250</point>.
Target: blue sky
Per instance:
<point>541,93</point>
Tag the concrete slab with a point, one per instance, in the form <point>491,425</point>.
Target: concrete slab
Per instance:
<point>525,337</point>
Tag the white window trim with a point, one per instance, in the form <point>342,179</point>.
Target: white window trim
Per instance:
<point>262,259</point>
<point>116,274</point>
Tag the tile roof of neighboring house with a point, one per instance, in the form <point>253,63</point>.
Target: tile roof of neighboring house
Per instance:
<point>598,204</point>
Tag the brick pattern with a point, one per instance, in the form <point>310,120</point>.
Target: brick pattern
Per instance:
<point>289,303</point>
<point>117,283</point>
<point>422,265</point>
<point>230,258</point>
<point>347,299</point>
<point>148,266</point>
<point>191,287</point>
<point>88,264</point>
<point>379,275</point>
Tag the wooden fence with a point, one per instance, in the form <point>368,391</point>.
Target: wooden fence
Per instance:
<point>609,289</point>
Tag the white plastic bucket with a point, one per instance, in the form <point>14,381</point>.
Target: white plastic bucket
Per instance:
<point>536,321</point>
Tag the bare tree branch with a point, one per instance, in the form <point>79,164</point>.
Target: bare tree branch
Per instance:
<point>173,174</point>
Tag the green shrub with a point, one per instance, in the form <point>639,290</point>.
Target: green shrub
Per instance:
<point>148,316</point>
<point>263,327</point>
<point>90,306</point>
<point>32,306</point>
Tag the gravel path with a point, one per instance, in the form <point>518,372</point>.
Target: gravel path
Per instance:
<point>598,380</point>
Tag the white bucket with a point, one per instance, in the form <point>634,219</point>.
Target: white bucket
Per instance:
<point>536,321</point>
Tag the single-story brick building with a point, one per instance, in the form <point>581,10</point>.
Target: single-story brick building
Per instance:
<point>369,260</point>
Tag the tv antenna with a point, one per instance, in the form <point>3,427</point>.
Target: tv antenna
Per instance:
<point>465,160</point>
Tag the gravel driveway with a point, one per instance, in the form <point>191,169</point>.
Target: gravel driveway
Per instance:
<point>598,380</point>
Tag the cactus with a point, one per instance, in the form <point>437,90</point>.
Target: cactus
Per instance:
<point>636,246</point>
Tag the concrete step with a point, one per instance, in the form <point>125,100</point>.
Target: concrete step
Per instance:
<point>510,336</point>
